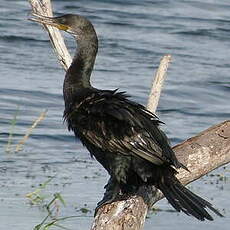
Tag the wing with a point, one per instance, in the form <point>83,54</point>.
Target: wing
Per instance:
<point>111,122</point>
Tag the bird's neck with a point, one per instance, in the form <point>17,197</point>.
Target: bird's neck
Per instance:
<point>79,72</point>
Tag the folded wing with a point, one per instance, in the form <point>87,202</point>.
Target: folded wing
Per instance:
<point>111,122</point>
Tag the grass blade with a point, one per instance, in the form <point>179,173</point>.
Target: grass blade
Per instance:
<point>29,131</point>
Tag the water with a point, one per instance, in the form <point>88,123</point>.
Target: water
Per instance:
<point>133,37</point>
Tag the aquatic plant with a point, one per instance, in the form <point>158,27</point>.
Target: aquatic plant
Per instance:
<point>19,146</point>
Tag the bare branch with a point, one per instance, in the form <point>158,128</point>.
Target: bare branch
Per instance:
<point>43,7</point>
<point>158,82</point>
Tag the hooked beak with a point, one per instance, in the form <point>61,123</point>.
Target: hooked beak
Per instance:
<point>50,21</point>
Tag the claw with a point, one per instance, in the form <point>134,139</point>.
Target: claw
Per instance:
<point>111,194</point>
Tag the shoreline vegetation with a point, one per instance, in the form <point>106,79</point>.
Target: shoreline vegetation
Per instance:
<point>19,146</point>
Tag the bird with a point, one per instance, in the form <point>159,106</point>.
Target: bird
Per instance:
<point>122,135</point>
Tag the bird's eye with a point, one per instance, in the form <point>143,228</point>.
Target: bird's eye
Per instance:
<point>62,20</point>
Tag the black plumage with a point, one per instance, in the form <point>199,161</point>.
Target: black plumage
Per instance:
<point>121,134</point>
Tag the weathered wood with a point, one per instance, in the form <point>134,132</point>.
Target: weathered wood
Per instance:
<point>157,85</point>
<point>43,7</point>
<point>201,154</point>
<point>127,214</point>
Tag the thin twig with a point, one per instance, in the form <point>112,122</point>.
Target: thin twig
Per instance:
<point>157,84</point>
<point>29,131</point>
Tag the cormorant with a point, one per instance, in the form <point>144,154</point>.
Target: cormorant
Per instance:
<point>121,134</point>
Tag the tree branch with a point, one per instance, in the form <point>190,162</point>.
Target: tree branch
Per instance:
<point>157,85</point>
<point>43,7</point>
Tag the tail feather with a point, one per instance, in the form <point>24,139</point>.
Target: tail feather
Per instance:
<point>192,204</point>
<point>171,198</point>
<point>184,200</point>
<point>184,203</point>
<point>205,203</point>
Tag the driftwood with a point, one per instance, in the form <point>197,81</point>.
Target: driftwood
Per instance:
<point>201,154</point>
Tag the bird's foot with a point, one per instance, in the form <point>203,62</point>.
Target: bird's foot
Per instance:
<point>112,193</point>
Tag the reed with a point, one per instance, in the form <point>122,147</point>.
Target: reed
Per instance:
<point>19,146</point>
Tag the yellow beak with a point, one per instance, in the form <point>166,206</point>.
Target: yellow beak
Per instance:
<point>51,21</point>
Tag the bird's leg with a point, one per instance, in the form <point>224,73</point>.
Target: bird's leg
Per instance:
<point>112,193</point>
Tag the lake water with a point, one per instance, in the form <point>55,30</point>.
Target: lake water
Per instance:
<point>134,35</point>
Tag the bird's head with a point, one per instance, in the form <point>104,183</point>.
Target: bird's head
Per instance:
<point>77,25</point>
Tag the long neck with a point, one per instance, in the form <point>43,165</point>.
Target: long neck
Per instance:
<point>79,72</point>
